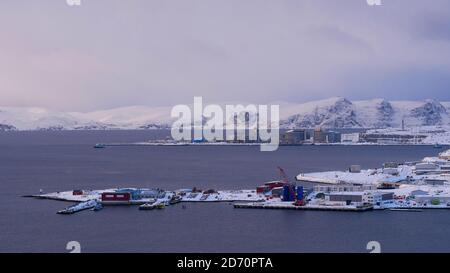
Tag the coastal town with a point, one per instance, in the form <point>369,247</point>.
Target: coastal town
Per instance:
<point>437,136</point>
<point>394,186</point>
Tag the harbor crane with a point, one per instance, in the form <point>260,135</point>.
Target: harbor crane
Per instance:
<point>283,175</point>
<point>285,179</point>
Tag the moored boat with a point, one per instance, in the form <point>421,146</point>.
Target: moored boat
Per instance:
<point>174,200</point>
<point>79,207</point>
<point>99,146</point>
<point>406,209</point>
<point>147,206</point>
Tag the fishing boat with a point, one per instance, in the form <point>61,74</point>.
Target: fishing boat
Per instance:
<point>174,200</point>
<point>147,206</point>
<point>79,207</point>
<point>99,146</point>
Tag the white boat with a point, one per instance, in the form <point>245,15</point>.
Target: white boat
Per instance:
<point>147,206</point>
<point>79,207</point>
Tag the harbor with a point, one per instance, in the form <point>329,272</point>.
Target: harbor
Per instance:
<point>408,186</point>
<point>283,205</point>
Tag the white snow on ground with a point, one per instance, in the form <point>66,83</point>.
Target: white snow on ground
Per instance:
<point>236,195</point>
<point>369,176</point>
<point>433,134</point>
<point>220,196</point>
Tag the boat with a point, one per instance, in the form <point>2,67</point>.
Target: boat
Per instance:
<point>160,206</point>
<point>174,200</point>
<point>98,207</point>
<point>437,146</point>
<point>79,207</point>
<point>99,146</point>
<point>147,206</point>
<point>406,209</point>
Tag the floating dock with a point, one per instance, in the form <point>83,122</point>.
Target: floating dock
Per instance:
<point>307,207</point>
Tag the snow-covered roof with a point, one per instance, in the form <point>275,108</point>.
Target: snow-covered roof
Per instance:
<point>446,153</point>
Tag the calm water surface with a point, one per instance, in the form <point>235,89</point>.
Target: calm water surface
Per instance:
<point>55,161</point>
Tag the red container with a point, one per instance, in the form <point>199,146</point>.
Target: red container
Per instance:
<point>262,189</point>
<point>275,184</point>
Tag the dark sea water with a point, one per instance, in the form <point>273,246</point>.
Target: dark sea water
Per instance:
<point>56,161</point>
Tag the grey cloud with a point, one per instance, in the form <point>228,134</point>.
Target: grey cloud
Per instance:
<point>434,26</point>
<point>110,53</point>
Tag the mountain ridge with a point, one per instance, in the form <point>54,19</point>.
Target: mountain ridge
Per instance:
<point>334,112</point>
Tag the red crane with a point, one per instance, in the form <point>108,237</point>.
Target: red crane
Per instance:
<point>283,175</point>
<point>285,179</point>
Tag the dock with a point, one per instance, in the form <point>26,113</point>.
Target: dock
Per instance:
<point>261,205</point>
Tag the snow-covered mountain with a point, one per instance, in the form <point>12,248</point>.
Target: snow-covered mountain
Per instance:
<point>329,113</point>
<point>377,113</point>
<point>135,117</point>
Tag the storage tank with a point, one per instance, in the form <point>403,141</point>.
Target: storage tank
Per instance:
<point>287,195</point>
<point>299,193</point>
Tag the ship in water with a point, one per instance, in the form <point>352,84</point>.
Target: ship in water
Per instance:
<point>100,146</point>
<point>90,204</point>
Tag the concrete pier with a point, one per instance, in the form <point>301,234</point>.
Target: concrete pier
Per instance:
<point>292,207</point>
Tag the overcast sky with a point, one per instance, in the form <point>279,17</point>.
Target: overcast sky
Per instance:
<point>110,53</point>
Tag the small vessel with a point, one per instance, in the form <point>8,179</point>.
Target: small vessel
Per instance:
<point>79,207</point>
<point>406,209</point>
<point>174,200</point>
<point>99,146</point>
<point>437,146</point>
<point>160,206</point>
<point>147,206</point>
<point>97,207</point>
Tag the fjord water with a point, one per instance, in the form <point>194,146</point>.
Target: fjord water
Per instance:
<point>65,160</point>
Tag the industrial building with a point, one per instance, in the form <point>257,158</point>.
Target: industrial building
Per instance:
<point>321,136</point>
<point>344,188</point>
<point>435,182</point>
<point>347,197</point>
<point>383,138</point>
<point>297,136</point>
<point>433,199</point>
<point>378,198</point>
<point>350,138</point>
<point>300,136</point>
<point>375,198</point>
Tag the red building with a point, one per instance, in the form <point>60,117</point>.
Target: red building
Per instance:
<point>275,184</point>
<point>116,197</point>
<point>77,192</point>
